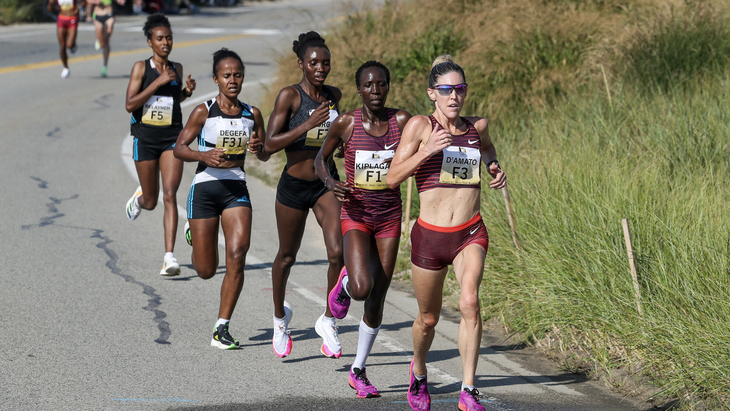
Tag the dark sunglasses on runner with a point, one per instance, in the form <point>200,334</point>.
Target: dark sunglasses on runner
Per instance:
<point>445,90</point>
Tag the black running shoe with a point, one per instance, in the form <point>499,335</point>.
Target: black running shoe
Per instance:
<point>222,339</point>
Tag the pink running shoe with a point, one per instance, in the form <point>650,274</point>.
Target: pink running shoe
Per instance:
<point>338,299</point>
<point>418,397</point>
<point>469,400</point>
<point>360,383</point>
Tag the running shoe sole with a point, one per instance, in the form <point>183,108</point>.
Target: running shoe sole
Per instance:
<point>218,344</point>
<point>338,311</point>
<point>324,349</point>
<point>131,215</point>
<point>360,394</point>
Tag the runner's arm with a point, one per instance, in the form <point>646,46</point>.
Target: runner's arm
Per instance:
<point>339,133</point>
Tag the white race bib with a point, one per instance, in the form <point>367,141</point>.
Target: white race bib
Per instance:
<point>460,165</point>
<point>316,136</point>
<point>157,111</point>
<point>371,169</point>
<point>232,136</point>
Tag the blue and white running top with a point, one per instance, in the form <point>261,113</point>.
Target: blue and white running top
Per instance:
<point>231,133</point>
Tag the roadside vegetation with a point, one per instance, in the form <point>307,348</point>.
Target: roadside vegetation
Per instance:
<point>21,11</point>
<point>600,110</point>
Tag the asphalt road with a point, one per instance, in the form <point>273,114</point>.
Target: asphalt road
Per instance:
<point>86,322</point>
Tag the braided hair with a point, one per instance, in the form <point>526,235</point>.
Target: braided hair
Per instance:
<point>368,64</point>
<point>153,21</point>
<point>306,41</point>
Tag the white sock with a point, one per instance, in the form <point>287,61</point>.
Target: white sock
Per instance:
<point>345,281</point>
<point>463,386</point>
<point>169,256</point>
<point>221,321</point>
<point>365,342</point>
<point>419,377</point>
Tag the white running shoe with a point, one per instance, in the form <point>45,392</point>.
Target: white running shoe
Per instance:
<point>282,340</point>
<point>65,73</point>
<point>133,209</point>
<point>170,268</point>
<point>328,331</point>
<point>97,45</point>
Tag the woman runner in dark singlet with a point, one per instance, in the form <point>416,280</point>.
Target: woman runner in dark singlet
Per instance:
<point>224,128</point>
<point>445,151</point>
<point>66,28</point>
<point>154,94</point>
<point>299,123</point>
<point>371,212</point>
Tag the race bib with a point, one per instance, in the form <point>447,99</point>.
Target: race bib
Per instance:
<point>316,136</point>
<point>232,136</point>
<point>66,4</point>
<point>157,111</point>
<point>371,169</point>
<point>460,165</point>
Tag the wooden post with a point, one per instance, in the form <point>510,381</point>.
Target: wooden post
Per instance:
<point>511,216</point>
<point>632,265</point>
<point>608,90</point>
<point>409,190</point>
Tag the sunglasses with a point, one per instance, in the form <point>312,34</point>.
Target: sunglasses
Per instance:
<point>445,90</point>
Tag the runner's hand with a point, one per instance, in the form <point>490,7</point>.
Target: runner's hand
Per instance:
<point>339,189</point>
<point>189,85</point>
<point>437,141</point>
<point>500,178</point>
<point>319,115</point>
<point>254,144</point>
<point>214,157</point>
<point>166,76</point>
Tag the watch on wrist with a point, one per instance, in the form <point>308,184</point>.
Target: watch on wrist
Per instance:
<point>495,162</point>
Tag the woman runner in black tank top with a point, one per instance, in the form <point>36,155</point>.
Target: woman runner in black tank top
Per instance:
<point>154,94</point>
<point>300,120</point>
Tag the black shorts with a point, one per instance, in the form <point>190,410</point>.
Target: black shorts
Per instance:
<point>209,199</point>
<point>102,19</point>
<point>145,150</point>
<point>301,194</point>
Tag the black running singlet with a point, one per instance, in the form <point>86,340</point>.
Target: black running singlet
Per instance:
<point>160,117</point>
<point>311,140</point>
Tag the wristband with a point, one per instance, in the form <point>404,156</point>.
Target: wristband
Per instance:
<point>495,162</point>
<point>325,182</point>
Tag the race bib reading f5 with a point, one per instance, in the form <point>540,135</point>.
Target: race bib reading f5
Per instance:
<point>371,168</point>
<point>157,111</point>
<point>460,165</point>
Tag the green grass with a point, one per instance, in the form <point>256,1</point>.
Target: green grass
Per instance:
<point>574,172</point>
<point>18,11</point>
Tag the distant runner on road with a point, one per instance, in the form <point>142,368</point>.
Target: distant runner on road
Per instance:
<point>154,94</point>
<point>371,212</point>
<point>298,125</point>
<point>66,28</point>
<point>445,151</point>
<point>225,128</point>
<point>103,16</point>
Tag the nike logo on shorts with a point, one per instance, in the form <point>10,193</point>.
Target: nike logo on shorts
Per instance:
<point>471,232</point>
<point>388,147</point>
<point>473,142</point>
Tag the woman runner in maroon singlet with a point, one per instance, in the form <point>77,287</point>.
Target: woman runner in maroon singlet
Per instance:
<point>371,212</point>
<point>445,151</point>
<point>66,28</point>
<point>299,123</point>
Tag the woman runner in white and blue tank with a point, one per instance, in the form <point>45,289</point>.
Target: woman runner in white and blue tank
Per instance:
<point>225,128</point>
